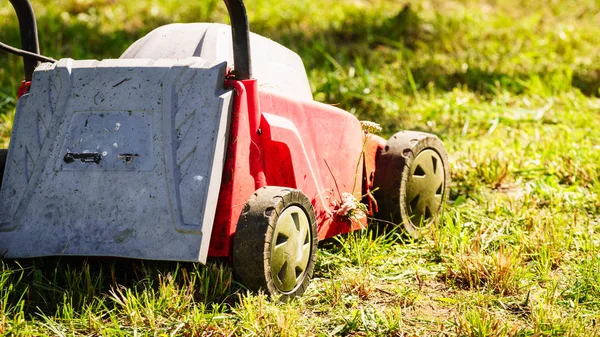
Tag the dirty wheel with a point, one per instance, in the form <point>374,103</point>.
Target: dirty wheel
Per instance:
<point>412,176</point>
<point>275,244</point>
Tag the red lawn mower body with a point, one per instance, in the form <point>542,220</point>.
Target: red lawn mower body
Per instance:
<point>304,145</point>
<point>287,173</point>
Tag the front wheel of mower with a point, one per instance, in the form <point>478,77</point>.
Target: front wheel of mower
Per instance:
<point>412,176</point>
<point>275,243</point>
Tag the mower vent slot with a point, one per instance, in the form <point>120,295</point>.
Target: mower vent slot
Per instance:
<point>88,157</point>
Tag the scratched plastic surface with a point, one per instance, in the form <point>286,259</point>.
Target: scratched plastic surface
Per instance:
<point>273,65</point>
<point>116,158</point>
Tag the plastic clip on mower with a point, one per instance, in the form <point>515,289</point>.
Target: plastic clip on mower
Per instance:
<point>179,151</point>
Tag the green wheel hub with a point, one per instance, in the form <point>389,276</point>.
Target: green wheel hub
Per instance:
<point>290,248</point>
<point>412,180</point>
<point>425,187</point>
<point>275,242</point>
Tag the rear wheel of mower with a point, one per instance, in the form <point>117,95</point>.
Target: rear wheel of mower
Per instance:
<point>412,177</point>
<point>275,243</point>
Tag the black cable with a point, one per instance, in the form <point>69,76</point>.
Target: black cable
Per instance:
<point>26,54</point>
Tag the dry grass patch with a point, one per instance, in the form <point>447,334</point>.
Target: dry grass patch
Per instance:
<point>500,272</point>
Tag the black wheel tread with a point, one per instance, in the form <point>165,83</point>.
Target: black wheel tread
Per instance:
<point>392,173</point>
<point>252,240</point>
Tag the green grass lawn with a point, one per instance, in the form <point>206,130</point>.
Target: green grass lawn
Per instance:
<point>510,86</point>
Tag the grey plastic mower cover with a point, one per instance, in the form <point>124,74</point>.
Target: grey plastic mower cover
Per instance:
<point>275,67</point>
<point>124,157</point>
<point>116,158</point>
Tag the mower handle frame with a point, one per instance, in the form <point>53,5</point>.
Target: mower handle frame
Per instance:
<point>29,34</point>
<point>240,32</point>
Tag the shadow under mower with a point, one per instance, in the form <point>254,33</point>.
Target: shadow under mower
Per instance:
<point>179,151</point>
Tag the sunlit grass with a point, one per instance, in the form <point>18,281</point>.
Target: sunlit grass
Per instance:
<point>510,87</point>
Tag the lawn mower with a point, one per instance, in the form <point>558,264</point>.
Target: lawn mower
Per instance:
<point>202,140</point>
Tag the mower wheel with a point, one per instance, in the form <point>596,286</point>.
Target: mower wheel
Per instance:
<point>275,243</point>
<point>412,176</point>
<point>3,154</point>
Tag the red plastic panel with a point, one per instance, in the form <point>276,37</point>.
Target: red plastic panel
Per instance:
<point>23,88</point>
<point>318,151</point>
<point>284,142</point>
<point>372,148</point>
<point>237,183</point>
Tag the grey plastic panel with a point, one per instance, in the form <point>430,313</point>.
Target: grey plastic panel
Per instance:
<point>276,67</point>
<point>116,158</point>
<point>116,137</point>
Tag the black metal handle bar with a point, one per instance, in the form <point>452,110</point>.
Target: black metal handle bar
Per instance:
<point>29,35</point>
<point>240,32</point>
